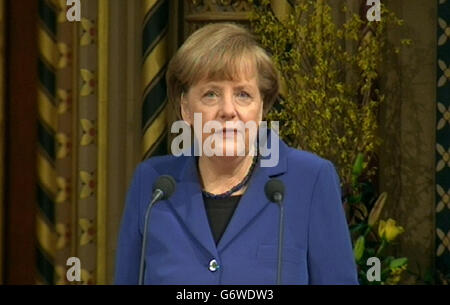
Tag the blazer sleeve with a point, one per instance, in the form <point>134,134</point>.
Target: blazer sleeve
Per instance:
<point>330,254</point>
<point>130,236</point>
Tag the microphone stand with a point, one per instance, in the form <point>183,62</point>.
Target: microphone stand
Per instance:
<point>157,195</point>
<point>279,199</point>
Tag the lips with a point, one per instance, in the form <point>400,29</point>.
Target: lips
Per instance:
<point>228,132</point>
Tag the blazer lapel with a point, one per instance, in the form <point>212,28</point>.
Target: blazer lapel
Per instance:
<point>251,204</point>
<point>187,201</point>
<point>254,199</point>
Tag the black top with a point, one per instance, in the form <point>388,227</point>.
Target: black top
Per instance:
<point>220,211</point>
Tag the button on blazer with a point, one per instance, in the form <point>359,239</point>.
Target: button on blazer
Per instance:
<point>181,248</point>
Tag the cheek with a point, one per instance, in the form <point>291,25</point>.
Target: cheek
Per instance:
<point>254,114</point>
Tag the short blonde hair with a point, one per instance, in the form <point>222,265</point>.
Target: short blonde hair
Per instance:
<point>216,52</point>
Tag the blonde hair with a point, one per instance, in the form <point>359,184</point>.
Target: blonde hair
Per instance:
<point>220,51</point>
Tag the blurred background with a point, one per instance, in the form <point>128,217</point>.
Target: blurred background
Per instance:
<point>83,102</point>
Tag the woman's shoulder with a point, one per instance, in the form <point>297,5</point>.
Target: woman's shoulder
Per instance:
<point>159,165</point>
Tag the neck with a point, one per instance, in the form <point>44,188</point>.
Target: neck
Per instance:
<point>219,174</point>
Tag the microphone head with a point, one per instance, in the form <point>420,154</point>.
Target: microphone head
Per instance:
<point>166,184</point>
<point>274,190</point>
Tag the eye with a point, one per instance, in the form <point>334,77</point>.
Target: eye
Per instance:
<point>210,94</point>
<point>243,95</point>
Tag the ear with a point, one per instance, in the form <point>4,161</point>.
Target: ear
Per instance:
<point>185,110</point>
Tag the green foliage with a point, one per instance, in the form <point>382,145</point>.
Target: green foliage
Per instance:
<point>330,104</point>
<point>330,74</point>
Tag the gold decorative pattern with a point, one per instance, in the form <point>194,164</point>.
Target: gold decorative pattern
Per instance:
<point>88,184</point>
<point>445,116</point>
<point>89,82</point>
<point>87,231</point>
<point>63,145</point>
<point>63,185</point>
<point>88,35</point>
<point>445,242</point>
<point>445,73</point>
<point>89,132</point>
<point>445,160</point>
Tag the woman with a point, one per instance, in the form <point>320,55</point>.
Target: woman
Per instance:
<point>219,227</point>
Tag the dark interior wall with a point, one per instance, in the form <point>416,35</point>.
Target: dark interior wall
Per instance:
<point>20,142</point>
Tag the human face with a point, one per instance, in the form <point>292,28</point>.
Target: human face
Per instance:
<point>225,101</point>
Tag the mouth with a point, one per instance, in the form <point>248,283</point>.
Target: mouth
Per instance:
<point>228,132</point>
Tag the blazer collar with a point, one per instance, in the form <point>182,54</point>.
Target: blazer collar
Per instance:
<point>187,201</point>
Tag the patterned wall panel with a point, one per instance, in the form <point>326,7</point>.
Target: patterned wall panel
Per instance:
<point>155,60</point>
<point>72,97</point>
<point>47,128</point>
<point>443,143</point>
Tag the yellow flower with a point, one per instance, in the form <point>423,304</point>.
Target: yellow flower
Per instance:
<point>396,275</point>
<point>389,230</point>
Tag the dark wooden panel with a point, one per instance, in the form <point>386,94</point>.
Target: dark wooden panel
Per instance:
<point>21,114</point>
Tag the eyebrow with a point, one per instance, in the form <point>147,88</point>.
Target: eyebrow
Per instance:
<point>216,87</point>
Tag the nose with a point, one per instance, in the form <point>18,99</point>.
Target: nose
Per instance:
<point>227,109</point>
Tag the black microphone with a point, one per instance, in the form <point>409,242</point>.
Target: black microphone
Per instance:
<point>274,190</point>
<point>163,188</point>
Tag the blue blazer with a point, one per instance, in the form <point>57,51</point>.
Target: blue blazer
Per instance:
<point>181,247</point>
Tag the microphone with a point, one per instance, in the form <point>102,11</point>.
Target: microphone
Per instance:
<point>163,188</point>
<point>274,190</point>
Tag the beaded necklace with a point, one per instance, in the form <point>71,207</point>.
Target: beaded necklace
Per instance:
<point>235,188</point>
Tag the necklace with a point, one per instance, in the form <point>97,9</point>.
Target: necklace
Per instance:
<point>235,188</point>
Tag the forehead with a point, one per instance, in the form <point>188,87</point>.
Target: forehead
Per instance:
<point>250,83</point>
<point>239,71</point>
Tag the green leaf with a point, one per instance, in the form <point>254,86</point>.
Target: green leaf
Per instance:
<point>398,262</point>
<point>357,227</point>
<point>359,248</point>
<point>355,199</point>
<point>358,165</point>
